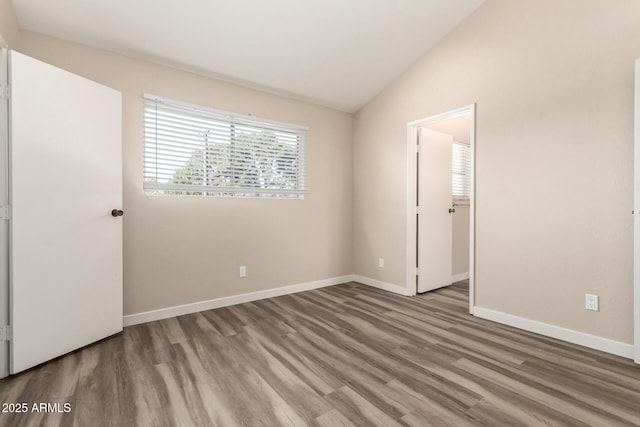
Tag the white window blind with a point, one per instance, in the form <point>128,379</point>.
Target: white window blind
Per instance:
<point>461,169</point>
<point>194,150</point>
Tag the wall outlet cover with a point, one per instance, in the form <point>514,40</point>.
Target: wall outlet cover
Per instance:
<point>591,302</point>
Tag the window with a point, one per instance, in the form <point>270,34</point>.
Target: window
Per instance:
<point>197,151</point>
<point>461,169</point>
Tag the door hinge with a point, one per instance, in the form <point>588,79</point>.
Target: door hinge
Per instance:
<point>418,212</point>
<point>6,333</point>
<point>417,271</point>
<point>5,212</point>
<point>5,91</point>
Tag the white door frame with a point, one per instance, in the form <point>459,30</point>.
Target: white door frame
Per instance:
<point>412,174</point>
<point>636,217</point>
<point>4,201</point>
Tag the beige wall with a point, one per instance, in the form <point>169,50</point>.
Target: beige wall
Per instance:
<point>553,82</point>
<point>8,25</point>
<point>183,250</point>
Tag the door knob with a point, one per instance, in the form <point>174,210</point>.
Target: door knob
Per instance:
<point>451,210</point>
<point>117,213</point>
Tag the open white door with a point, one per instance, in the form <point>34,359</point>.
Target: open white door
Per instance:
<point>66,248</point>
<point>435,201</point>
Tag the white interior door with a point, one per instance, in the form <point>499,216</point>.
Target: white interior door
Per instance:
<point>66,248</point>
<point>434,220</point>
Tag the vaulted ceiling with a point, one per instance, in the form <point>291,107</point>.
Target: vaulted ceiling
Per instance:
<point>338,53</point>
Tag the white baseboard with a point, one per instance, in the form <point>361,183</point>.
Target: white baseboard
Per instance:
<point>580,338</point>
<point>381,285</point>
<point>458,277</point>
<point>575,337</point>
<point>179,310</point>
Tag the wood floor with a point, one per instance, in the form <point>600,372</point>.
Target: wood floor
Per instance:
<point>339,356</point>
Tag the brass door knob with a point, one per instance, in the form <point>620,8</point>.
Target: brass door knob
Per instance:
<point>117,213</point>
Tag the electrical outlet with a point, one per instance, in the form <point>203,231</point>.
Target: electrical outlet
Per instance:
<point>591,302</point>
<point>243,271</point>
<point>381,262</point>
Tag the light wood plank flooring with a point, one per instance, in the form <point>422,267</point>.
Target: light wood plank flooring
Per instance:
<point>339,356</point>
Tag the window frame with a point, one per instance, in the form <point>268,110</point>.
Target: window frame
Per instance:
<point>222,119</point>
<point>465,174</point>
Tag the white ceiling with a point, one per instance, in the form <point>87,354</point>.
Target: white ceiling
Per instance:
<point>338,53</point>
<point>458,127</point>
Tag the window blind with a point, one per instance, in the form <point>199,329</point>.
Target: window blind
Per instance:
<point>194,150</point>
<point>461,171</point>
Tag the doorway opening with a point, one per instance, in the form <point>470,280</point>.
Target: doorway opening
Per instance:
<point>441,201</point>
